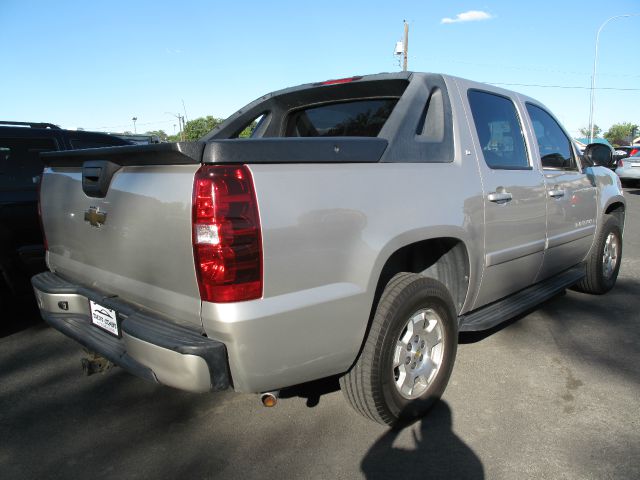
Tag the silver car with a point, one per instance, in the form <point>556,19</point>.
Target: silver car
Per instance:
<point>629,168</point>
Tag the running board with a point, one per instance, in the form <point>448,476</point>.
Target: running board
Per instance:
<point>513,305</point>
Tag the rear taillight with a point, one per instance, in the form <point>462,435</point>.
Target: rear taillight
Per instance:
<point>227,242</point>
<point>39,188</point>
<point>634,151</point>
<point>338,81</point>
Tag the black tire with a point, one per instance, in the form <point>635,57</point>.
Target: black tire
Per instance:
<point>370,385</point>
<point>597,280</point>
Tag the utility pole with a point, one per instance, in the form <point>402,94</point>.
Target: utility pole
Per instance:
<point>405,46</point>
<point>181,123</point>
<point>185,111</point>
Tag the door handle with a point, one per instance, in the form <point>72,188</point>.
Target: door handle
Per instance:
<point>556,193</point>
<point>500,197</point>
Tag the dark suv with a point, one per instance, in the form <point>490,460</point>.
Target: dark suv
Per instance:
<point>21,245</point>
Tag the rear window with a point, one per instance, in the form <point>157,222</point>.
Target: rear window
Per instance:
<point>361,118</point>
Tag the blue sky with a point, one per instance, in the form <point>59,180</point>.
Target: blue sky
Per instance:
<point>98,64</point>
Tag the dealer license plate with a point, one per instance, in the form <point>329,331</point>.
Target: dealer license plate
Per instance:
<point>104,318</point>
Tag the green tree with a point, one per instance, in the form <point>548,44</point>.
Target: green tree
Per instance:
<point>195,129</point>
<point>246,133</point>
<point>161,134</point>
<point>585,132</point>
<point>621,133</point>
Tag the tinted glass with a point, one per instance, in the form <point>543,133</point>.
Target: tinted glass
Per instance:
<point>554,146</point>
<point>362,118</point>
<point>20,161</point>
<point>499,130</point>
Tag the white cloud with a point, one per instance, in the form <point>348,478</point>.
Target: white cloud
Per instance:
<point>470,16</point>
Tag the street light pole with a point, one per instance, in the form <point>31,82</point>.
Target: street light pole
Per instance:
<point>595,63</point>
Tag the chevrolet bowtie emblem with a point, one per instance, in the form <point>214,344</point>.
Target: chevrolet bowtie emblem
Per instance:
<point>95,217</point>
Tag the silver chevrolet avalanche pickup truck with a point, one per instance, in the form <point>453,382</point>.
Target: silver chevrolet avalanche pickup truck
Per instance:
<point>364,223</point>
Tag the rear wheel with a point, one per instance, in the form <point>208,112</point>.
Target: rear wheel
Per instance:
<point>603,264</point>
<point>409,353</point>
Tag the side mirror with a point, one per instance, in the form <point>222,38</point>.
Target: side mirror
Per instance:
<point>598,154</point>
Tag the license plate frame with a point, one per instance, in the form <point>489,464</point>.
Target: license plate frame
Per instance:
<point>105,319</point>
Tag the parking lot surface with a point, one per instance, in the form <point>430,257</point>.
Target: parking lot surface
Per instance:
<point>552,394</point>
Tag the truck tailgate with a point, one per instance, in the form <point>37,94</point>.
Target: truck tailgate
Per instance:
<point>133,239</point>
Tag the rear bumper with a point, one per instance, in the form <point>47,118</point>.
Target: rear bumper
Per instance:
<point>149,347</point>
<point>628,172</point>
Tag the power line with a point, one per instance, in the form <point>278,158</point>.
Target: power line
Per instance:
<point>128,124</point>
<point>534,68</point>
<point>564,86</point>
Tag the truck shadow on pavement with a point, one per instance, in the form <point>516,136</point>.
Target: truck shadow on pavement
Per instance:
<point>312,391</point>
<point>438,453</point>
<point>20,314</point>
<point>577,322</point>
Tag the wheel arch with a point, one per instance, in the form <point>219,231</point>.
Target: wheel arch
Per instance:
<point>443,258</point>
<point>617,209</point>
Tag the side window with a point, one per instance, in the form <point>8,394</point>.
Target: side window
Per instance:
<point>554,146</point>
<point>499,130</point>
<point>20,161</point>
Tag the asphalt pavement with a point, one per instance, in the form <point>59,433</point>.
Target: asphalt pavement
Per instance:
<point>552,394</point>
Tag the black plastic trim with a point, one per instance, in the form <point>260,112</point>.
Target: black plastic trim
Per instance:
<point>180,153</point>
<point>96,177</point>
<point>31,124</point>
<point>184,341</point>
<point>281,102</point>
<point>407,143</point>
<point>513,305</point>
<point>296,150</point>
<point>80,329</point>
<point>509,168</point>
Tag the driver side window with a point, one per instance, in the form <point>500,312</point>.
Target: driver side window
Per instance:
<point>555,147</point>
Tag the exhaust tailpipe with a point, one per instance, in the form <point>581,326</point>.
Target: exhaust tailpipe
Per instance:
<point>270,399</point>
